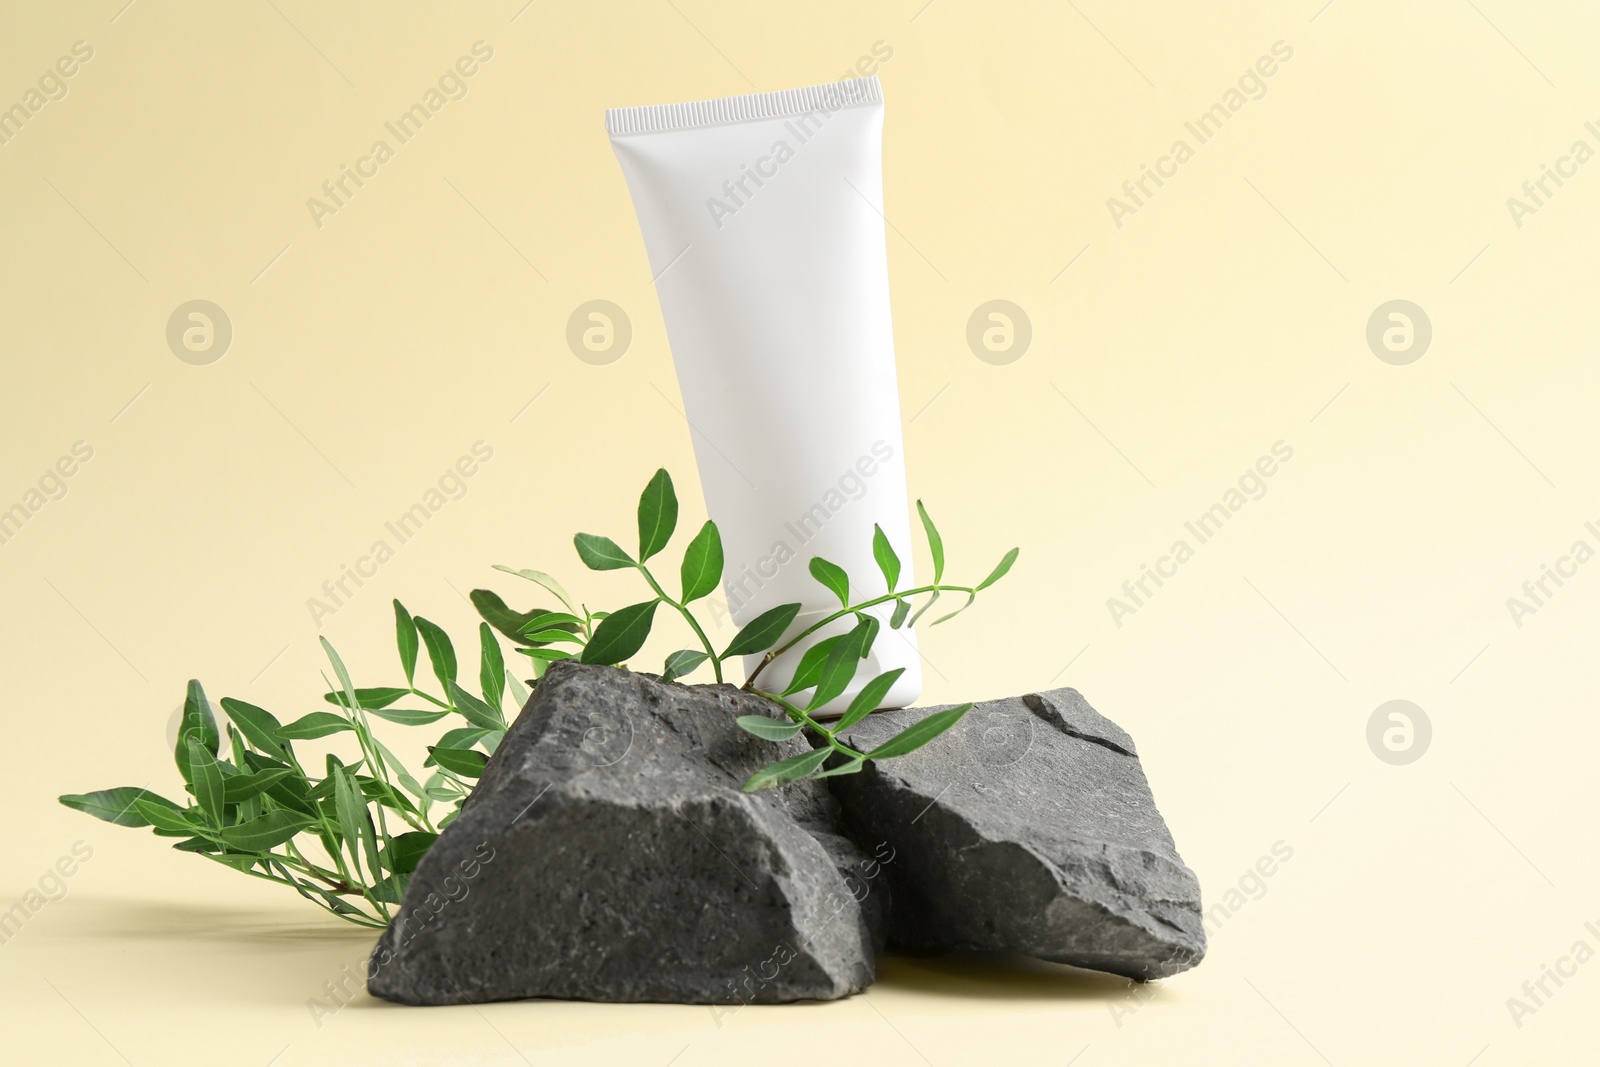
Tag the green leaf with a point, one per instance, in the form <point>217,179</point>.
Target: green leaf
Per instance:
<point>833,576</point>
<point>920,732</point>
<point>810,667</point>
<point>405,638</point>
<point>946,618</point>
<point>767,728</point>
<point>550,637</point>
<point>340,672</point>
<point>268,831</point>
<point>762,632</point>
<point>898,617</point>
<point>164,815</point>
<point>242,787</point>
<point>872,625</point>
<point>349,810</point>
<point>495,612</point>
<point>621,634</point>
<point>474,710</point>
<point>284,794</point>
<point>290,792</point>
<point>847,767</point>
<point>439,787</point>
<point>883,552</point>
<point>681,663</point>
<point>935,543</point>
<point>400,772</point>
<point>259,726</point>
<point>920,611</point>
<point>187,832</point>
<point>839,668</point>
<point>548,655</point>
<point>369,842</point>
<point>542,579</point>
<point>323,790</point>
<point>545,629</point>
<point>787,770</point>
<point>519,692</point>
<point>539,621</point>
<point>702,563</point>
<point>198,723</point>
<point>316,724</point>
<point>658,514</point>
<point>411,716</point>
<point>868,699</point>
<point>463,737</point>
<point>236,745</point>
<point>441,653</point>
<point>1000,569</point>
<point>468,763</point>
<point>207,781</point>
<point>544,656</point>
<point>237,862</point>
<point>116,805</point>
<point>372,789</point>
<point>491,667</point>
<point>370,699</point>
<point>403,853</point>
<point>391,889</point>
<point>601,553</point>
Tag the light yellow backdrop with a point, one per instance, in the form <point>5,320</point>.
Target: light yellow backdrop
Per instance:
<point>1173,345</point>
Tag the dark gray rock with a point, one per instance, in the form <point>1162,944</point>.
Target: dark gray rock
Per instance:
<point>1028,827</point>
<point>608,853</point>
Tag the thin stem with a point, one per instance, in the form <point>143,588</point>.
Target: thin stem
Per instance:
<point>749,683</point>
<point>305,866</point>
<point>328,837</point>
<point>369,750</point>
<point>705,642</point>
<point>375,761</point>
<point>288,750</point>
<point>377,876</point>
<point>380,773</point>
<point>251,873</point>
<point>454,778</point>
<point>362,920</point>
<point>435,701</point>
<point>800,715</point>
<point>334,885</point>
<point>311,893</point>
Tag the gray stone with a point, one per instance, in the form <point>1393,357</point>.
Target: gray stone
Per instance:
<point>1029,828</point>
<point>608,853</point>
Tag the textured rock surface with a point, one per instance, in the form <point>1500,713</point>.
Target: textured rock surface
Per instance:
<point>1028,827</point>
<point>608,854</point>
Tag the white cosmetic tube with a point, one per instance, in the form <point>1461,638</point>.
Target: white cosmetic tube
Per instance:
<point>763,221</point>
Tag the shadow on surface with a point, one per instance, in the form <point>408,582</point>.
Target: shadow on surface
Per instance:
<point>995,976</point>
<point>292,954</point>
<point>148,919</point>
<point>268,957</point>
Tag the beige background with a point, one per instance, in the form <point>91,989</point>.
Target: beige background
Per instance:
<point>1227,314</point>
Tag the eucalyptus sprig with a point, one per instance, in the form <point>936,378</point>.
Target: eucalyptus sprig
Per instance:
<point>826,668</point>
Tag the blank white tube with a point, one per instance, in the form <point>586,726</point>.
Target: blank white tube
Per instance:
<point>763,221</point>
